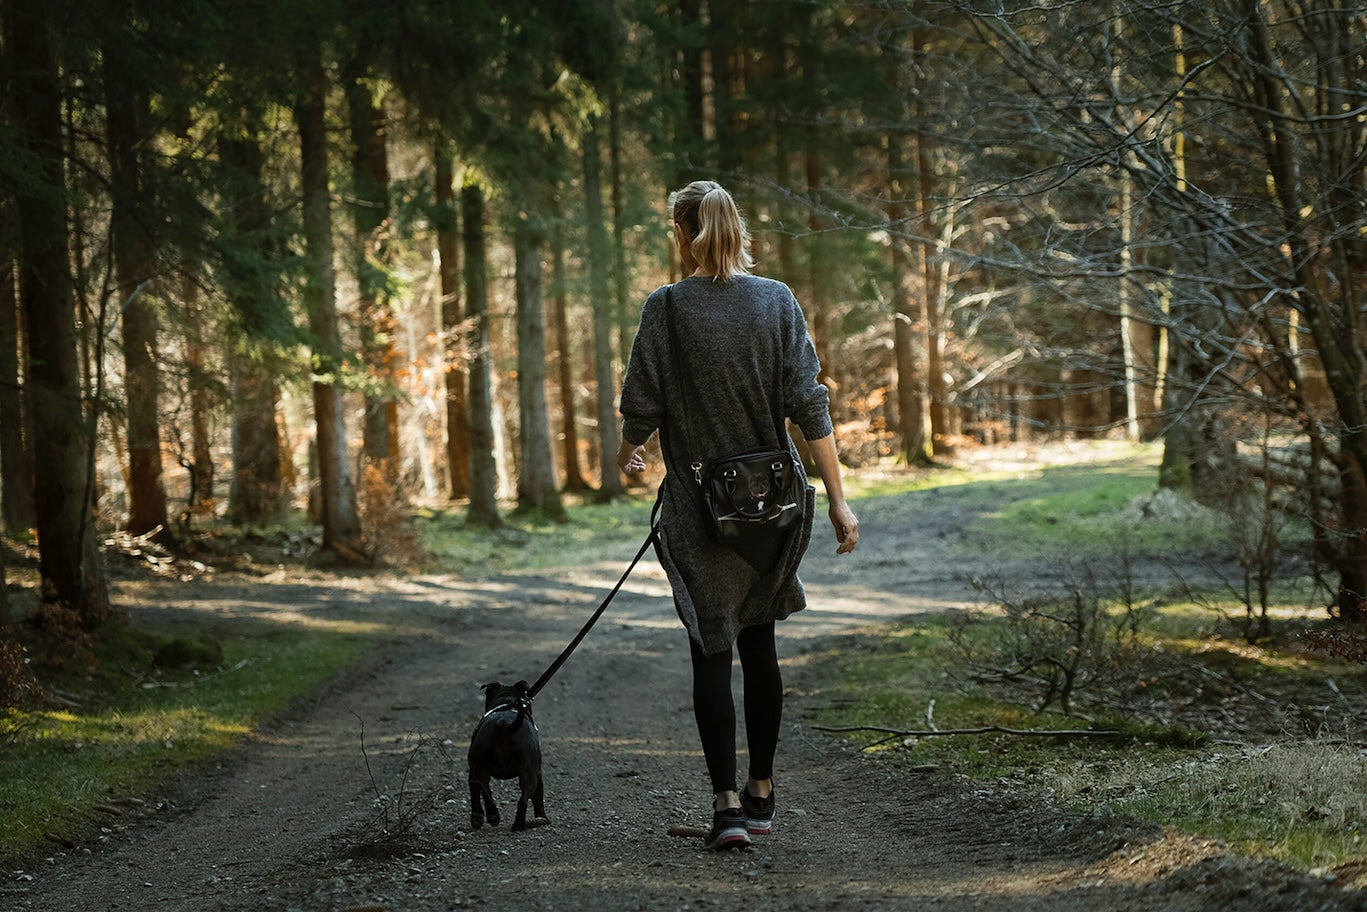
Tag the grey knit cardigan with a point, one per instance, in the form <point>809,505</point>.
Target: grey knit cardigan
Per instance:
<point>745,352</point>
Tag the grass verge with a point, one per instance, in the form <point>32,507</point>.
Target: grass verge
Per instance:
<point>531,543</point>
<point>1301,799</point>
<point>134,723</point>
<point>1257,744</point>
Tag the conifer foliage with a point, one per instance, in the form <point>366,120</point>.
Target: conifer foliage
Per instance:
<point>297,245</point>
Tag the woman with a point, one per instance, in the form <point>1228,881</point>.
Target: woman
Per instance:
<point>748,364</point>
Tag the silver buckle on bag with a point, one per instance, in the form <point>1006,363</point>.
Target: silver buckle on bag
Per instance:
<point>697,473</point>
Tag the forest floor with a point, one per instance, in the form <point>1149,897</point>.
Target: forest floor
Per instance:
<point>292,821</point>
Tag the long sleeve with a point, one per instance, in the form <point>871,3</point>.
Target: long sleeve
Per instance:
<point>806,401</point>
<point>642,404</point>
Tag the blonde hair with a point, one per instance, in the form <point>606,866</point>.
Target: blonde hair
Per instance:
<point>721,242</point>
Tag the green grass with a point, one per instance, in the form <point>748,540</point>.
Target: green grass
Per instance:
<point>1299,799</point>
<point>133,726</point>
<point>1081,511</point>
<point>534,543</point>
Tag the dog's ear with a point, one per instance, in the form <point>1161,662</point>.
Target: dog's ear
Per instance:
<point>491,687</point>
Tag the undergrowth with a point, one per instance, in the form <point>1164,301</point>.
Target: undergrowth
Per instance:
<point>1112,697</point>
<point>143,706</point>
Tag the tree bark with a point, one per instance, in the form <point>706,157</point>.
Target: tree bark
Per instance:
<point>907,315</point>
<point>452,316</point>
<point>605,375</point>
<point>1332,329</point>
<point>621,276</point>
<point>483,467</point>
<point>69,560</point>
<point>564,363</point>
<point>908,310</point>
<point>370,213</point>
<point>341,519</point>
<point>688,141</point>
<point>536,489</point>
<point>819,263</point>
<point>933,281</point>
<point>255,494</point>
<point>132,244</point>
<point>16,434</point>
<point>201,464</point>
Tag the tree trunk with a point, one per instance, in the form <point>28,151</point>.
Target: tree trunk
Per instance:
<point>17,515</point>
<point>621,276</point>
<point>69,560</point>
<point>722,35</point>
<point>933,282</point>
<point>1334,331</point>
<point>453,349</point>
<point>201,465</point>
<point>536,489</point>
<point>132,245</point>
<point>255,495</point>
<point>819,263</point>
<point>16,435</point>
<point>907,315</point>
<point>483,467</point>
<point>689,147</point>
<point>605,375</point>
<point>341,519</point>
<point>370,213</point>
<point>564,363</point>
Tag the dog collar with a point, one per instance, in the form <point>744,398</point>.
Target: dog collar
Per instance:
<point>520,708</point>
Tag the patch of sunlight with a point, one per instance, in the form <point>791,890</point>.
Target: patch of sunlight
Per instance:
<point>330,625</point>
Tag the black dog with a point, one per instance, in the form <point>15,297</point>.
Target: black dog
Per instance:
<point>505,745</point>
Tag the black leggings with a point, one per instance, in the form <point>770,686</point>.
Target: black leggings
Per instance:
<point>715,711</point>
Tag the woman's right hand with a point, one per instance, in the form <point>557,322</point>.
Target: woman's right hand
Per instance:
<point>846,526</point>
<point>631,460</point>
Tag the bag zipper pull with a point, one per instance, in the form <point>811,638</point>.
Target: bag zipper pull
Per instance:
<point>697,473</point>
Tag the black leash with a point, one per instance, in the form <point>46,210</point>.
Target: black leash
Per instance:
<point>584,631</point>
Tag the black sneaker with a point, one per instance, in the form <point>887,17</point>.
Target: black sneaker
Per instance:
<point>728,831</point>
<point>759,813</point>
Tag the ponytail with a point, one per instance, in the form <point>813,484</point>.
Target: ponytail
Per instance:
<point>721,242</point>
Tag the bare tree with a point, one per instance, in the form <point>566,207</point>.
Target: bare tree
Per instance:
<point>1248,252</point>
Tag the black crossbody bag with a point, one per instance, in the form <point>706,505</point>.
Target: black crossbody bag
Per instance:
<point>747,498</point>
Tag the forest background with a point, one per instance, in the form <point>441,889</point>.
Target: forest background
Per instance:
<point>262,257</point>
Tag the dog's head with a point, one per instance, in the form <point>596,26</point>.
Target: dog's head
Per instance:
<point>497,695</point>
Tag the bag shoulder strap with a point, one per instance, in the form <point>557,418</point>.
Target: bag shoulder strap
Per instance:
<point>690,435</point>
<point>675,350</point>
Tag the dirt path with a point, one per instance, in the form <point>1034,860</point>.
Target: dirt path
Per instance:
<point>292,822</point>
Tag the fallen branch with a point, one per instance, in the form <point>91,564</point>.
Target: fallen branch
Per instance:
<point>893,733</point>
